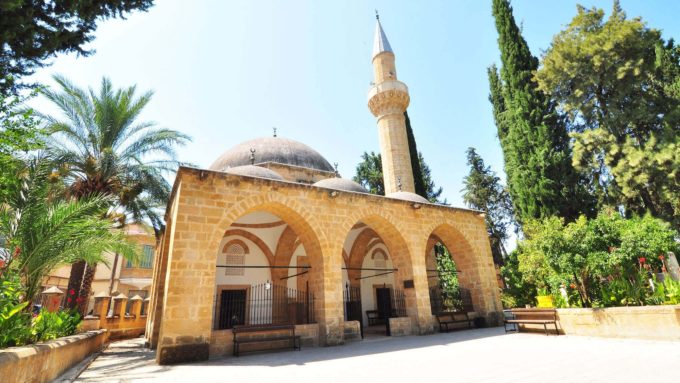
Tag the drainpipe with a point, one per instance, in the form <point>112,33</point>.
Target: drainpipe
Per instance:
<point>113,273</point>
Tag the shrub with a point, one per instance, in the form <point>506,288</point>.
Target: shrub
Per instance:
<point>15,322</point>
<point>48,325</point>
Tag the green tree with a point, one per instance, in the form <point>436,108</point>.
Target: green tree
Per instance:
<point>619,85</point>
<point>416,160</point>
<point>43,231</point>
<point>540,178</point>
<point>369,175</point>
<point>483,191</point>
<point>19,134</point>
<point>107,151</point>
<point>32,31</point>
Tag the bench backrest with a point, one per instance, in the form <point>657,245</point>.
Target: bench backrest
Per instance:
<point>243,329</point>
<point>448,316</point>
<point>550,314</point>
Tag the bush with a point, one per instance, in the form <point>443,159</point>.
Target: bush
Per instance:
<point>48,326</point>
<point>606,261</point>
<point>15,322</point>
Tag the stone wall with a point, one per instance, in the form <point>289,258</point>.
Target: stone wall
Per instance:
<point>122,324</point>
<point>352,330</point>
<point>43,362</point>
<point>647,322</point>
<point>401,326</point>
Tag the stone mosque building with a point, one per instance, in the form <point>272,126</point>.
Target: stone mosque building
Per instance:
<point>270,233</point>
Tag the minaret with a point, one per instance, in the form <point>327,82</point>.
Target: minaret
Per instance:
<point>387,100</point>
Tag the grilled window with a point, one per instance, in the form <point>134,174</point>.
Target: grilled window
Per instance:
<point>235,256</point>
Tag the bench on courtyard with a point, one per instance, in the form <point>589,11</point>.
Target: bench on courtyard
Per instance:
<point>274,336</point>
<point>451,318</point>
<point>516,317</point>
<point>374,318</point>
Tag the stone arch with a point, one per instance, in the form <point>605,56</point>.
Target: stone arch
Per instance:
<point>380,225</point>
<point>464,256</point>
<point>299,219</point>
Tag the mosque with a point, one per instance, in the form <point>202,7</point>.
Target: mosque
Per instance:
<point>270,233</point>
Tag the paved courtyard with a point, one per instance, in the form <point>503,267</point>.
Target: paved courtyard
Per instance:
<point>482,355</point>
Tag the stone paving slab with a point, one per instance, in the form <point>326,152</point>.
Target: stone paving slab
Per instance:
<point>483,355</point>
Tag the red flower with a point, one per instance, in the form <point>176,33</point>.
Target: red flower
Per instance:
<point>2,263</point>
<point>69,300</point>
<point>642,259</point>
<point>72,292</point>
<point>17,252</point>
<point>573,286</point>
<point>79,299</point>
<point>661,257</point>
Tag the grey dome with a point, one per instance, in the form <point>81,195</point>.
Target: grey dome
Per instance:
<point>272,149</point>
<point>407,196</point>
<point>254,171</point>
<point>340,184</point>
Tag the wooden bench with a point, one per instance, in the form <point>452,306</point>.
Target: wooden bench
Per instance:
<point>374,318</point>
<point>530,316</point>
<point>447,318</point>
<point>285,334</point>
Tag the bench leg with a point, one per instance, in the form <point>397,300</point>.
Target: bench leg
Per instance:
<point>235,352</point>
<point>545,327</point>
<point>557,332</point>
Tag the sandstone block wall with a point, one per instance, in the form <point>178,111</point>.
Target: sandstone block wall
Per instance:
<point>43,362</point>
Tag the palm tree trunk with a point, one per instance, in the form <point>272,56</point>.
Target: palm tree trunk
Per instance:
<point>85,289</point>
<point>113,273</point>
<point>75,280</point>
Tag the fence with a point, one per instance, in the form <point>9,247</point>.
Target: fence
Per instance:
<point>458,300</point>
<point>263,304</point>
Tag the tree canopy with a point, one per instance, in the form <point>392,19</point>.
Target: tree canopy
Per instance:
<point>618,84</point>
<point>483,191</point>
<point>540,177</point>
<point>32,31</point>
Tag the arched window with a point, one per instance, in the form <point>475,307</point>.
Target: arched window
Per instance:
<point>235,253</point>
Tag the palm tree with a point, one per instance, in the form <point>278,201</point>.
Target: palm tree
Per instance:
<point>105,150</point>
<point>44,230</point>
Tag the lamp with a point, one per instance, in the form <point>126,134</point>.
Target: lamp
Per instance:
<point>416,205</point>
<point>267,285</point>
<point>333,194</point>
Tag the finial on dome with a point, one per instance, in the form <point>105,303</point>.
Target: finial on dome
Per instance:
<point>377,16</point>
<point>399,183</point>
<point>335,165</point>
<point>252,156</point>
<point>274,128</point>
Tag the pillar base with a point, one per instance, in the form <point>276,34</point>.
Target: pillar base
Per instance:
<point>183,353</point>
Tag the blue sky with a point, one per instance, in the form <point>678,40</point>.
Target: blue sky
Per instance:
<point>228,71</point>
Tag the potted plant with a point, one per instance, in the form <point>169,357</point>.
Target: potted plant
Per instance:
<point>544,299</point>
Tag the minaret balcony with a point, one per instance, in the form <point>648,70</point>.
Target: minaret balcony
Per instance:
<point>385,86</point>
<point>388,97</point>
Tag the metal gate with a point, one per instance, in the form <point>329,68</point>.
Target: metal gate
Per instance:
<point>352,305</point>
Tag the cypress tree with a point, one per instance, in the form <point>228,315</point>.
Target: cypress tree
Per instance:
<point>418,176</point>
<point>541,179</point>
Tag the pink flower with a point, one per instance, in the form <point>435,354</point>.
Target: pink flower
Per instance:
<point>69,300</point>
<point>79,299</point>
<point>72,292</point>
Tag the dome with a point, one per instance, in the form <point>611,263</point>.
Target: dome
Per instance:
<point>272,149</point>
<point>340,184</point>
<point>407,196</point>
<point>254,171</point>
